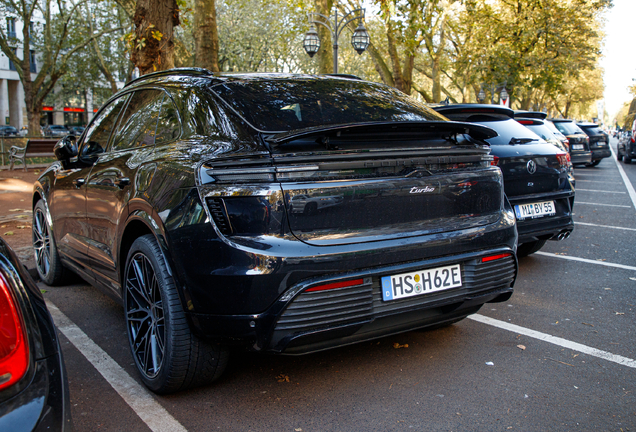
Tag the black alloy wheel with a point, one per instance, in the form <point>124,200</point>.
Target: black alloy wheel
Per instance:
<point>168,356</point>
<point>529,248</point>
<point>47,260</point>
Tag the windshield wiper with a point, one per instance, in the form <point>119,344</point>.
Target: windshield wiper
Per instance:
<point>514,140</point>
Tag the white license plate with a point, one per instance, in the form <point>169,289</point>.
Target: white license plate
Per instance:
<point>535,210</point>
<point>577,146</point>
<point>421,282</point>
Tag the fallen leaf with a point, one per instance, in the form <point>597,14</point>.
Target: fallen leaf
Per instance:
<point>522,347</point>
<point>620,313</point>
<point>591,325</point>
<point>43,291</point>
<point>298,429</point>
<point>9,233</point>
<point>601,259</point>
<point>397,345</point>
<point>23,226</point>
<point>21,216</point>
<point>632,278</point>
<point>607,289</point>
<point>282,378</point>
<point>15,210</point>
<point>490,364</point>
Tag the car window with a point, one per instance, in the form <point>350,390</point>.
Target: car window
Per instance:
<point>98,133</point>
<point>542,130</point>
<point>507,130</point>
<point>138,124</point>
<point>593,130</point>
<point>168,126</point>
<point>568,128</point>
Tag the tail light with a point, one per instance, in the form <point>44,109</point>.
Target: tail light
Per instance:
<point>564,160</point>
<point>335,285</point>
<point>495,257</point>
<point>14,349</point>
<point>495,161</point>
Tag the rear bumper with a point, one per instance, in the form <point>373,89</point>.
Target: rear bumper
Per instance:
<point>600,153</point>
<point>546,227</point>
<point>301,322</point>
<point>579,157</point>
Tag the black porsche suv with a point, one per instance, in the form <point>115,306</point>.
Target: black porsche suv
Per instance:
<point>537,177</point>
<point>580,152</point>
<point>278,213</point>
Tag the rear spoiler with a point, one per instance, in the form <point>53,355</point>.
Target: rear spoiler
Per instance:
<point>476,131</point>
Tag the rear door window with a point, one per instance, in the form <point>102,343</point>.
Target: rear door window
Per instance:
<point>97,136</point>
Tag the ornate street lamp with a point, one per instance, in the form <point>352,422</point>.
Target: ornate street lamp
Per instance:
<point>481,96</point>
<point>311,42</point>
<point>359,40</point>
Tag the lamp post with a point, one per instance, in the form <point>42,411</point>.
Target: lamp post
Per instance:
<point>502,95</point>
<point>359,39</point>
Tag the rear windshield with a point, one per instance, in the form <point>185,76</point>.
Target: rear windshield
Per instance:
<point>281,105</point>
<point>542,130</point>
<point>568,128</point>
<point>508,129</point>
<point>593,130</point>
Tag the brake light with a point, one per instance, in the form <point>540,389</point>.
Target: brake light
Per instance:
<point>525,122</point>
<point>495,161</point>
<point>495,257</point>
<point>335,285</point>
<point>14,349</point>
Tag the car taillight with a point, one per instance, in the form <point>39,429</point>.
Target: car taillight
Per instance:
<point>495,257</point>
<point>495,161</point>
<point>335,285</point>
<point>14,349</point>
<point>564,159</point>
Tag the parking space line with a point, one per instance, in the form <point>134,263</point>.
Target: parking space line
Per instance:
<point>605,226</point>
<point>628,184</point>
<point>624,361</point>
<point>588,261</point>
<point>604,191</point>
<point>134,394</point>
<point>604,205</point>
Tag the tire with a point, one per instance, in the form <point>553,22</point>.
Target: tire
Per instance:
<point>529,248</point>
<point>47,259</point>
<point>311,208</point>
<point>627,160</point>
<point>619,157</point>
<point>168,356</point>
<point>595,162</point>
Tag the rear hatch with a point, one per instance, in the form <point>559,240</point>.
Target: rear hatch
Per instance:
<point>376,181</point>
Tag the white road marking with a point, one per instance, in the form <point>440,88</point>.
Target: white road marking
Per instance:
<point>628,184</point>
<point>625,361</point>
<point>605,205</point>
<point>135,395</point>
<point>605,226</point>
<point>604,191</point>
<point>589,261</point>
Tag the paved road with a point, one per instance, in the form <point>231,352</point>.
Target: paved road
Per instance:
<point>559,356</point>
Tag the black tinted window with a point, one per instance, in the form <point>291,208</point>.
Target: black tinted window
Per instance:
<point>568,128</point>
<point>542,130</point>
<point>593,130</point>
<point>507,130</point>
<point>138,124</point>
<point>284,105</point>
<point>168,126</point>
<point>96,138</point>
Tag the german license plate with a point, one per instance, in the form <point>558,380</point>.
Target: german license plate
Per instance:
<point>535,210</point>
<point>577,146</point>
<point>421,282</point>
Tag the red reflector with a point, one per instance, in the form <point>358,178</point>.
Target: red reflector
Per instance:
<point>14,351</point>
<point>495,161</point>
<point>494,257</point>
<point>336,285</point>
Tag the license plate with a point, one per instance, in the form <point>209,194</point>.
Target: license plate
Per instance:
<point>577,146</point>
<point>535,210</point>
<point>421,282</point>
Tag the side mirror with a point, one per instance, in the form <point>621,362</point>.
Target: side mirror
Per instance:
<point>65,149</point>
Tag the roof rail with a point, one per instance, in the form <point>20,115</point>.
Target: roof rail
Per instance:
<point>174,71</point>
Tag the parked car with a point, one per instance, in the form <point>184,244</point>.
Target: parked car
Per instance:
<point>33,383</point>
<point>599,142</point>
<point>55,131</point>
<point>626,148</point>
<point>564,140</point>
<point>198,241</point>
<point>580,153</point>
<point>76,130</point>
<point>8,131</point>
<point>537,175</point>
<point>537,123</point>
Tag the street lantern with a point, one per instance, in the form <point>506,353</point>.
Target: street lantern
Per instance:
<point>481,96</point>
<point>360,39</point>
<point>311,42</point>
<point>504,94</point>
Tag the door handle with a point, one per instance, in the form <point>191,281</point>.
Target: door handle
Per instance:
<point>122,182</point>
<point>79,182</point>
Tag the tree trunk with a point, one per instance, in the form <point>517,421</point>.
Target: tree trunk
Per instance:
<point>325,53</point>
<point>154,23</point>
<point>206,35</point>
